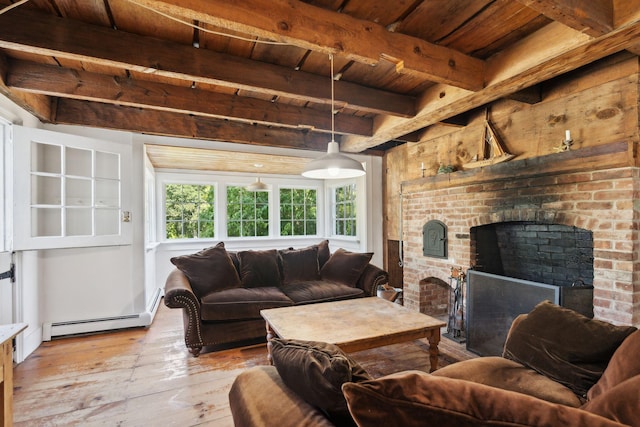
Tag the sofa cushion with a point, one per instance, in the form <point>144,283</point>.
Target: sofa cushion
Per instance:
<point>242,303</point>
<point>624,364</point>
<point>509,375</point>
<point>209,270</point>
<point>316,371</point>
<point>319,291</point>
<point>620,403</point>
<point>564,345</point>
<point>299,264</point>
<point>415,398</point>
<point>259,268</point>
<point>345,267</point>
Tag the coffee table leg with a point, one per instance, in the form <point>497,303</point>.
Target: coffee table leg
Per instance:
<point>270,335</point>
<point>434,340</point>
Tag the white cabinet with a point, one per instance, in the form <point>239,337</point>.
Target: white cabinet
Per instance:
<point>70,191</point>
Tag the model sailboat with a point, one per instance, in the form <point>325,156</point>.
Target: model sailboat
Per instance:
<point>491,150</point>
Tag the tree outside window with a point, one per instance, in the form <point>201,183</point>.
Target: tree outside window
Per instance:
<point>344,210</point>
<point>189,211</point>
<point>247,213</point>
<point>298,212</point>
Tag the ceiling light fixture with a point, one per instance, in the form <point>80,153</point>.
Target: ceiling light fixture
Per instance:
<point>257,185</point>
<point>333,165</point>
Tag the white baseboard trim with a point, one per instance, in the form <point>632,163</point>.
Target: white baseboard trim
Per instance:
<point>75,327</point>
<point>152,308</point>
<point>27,343</point>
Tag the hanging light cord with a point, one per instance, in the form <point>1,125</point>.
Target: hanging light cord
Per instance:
<point>198,27</point>
<point>8,8</point>
<point>332,101</point>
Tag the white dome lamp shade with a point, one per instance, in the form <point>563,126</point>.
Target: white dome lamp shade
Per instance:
<point>333,165</point>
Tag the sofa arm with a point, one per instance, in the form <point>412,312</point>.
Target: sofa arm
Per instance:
<point>371,278</point>
<point>178,294</point>
<point>258,398</point>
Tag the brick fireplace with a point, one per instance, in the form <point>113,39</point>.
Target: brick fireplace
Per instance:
<point>560,189</point>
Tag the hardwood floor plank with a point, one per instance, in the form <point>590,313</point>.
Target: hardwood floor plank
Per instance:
<point>146,376</point>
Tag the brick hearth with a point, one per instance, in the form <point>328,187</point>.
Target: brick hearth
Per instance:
<point>599,201</point>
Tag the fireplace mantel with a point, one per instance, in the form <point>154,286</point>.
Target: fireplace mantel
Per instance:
<point>607,156</point>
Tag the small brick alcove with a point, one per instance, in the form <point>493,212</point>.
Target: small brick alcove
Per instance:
<point>551,191</point>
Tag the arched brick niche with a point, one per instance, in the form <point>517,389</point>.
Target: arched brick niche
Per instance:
<point>434,293</point>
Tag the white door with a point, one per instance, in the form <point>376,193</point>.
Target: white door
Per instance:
<point>69,191</point>
<point>6,262</point>
<point>6,289</point>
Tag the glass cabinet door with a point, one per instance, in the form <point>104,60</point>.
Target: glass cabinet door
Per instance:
<point>75,191</point>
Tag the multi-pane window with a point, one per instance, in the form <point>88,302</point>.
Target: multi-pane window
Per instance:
<point>344,210</point>
<point>298,212</point>
<point>189,211</point>
<point>247,212</point>
<point>196,210</point>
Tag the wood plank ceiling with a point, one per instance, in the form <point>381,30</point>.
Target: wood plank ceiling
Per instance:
<point>258,72</point>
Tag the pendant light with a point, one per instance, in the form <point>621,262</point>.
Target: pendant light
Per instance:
<point>257,185</point>
<point>333,165</point>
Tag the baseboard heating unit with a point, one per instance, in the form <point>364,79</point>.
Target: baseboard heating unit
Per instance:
<point>84,326</point>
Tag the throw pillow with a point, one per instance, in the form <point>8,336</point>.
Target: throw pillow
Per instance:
<point>620,403</point>
<point>345,267</point>
<point>564,345</point>
<point>259,268</point>
<point>209,270</point>
<point>624,364</point>
<point>299,264</point>
<point>316,372</point>
<point>415,398</point>
<point>323,253</point>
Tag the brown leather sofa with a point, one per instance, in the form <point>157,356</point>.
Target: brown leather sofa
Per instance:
<point>558,368</point>
<point>221,293</point>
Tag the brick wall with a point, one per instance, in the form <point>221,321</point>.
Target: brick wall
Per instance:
<point>599,201</point>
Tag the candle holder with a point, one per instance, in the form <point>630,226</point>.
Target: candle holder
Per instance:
<point>566,143</point>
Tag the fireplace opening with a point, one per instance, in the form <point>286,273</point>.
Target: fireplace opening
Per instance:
<point>555,254</point>
<point>519,264</point>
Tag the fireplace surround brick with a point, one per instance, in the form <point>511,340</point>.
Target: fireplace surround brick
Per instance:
<point>604,202</point>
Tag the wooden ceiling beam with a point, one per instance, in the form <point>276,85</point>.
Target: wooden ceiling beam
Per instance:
<point>38,105</point>
<point>63,82</point>
<point>43,34</point>
<point>552,51</point>
<point>322,30</point>
<point>92,114</point>
<point>593,17</point>
<point>529,95</point>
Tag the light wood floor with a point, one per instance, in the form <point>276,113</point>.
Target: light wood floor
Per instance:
<point>146,377</point>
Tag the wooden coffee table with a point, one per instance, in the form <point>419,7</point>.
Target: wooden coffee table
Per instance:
<point>354,325</point>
